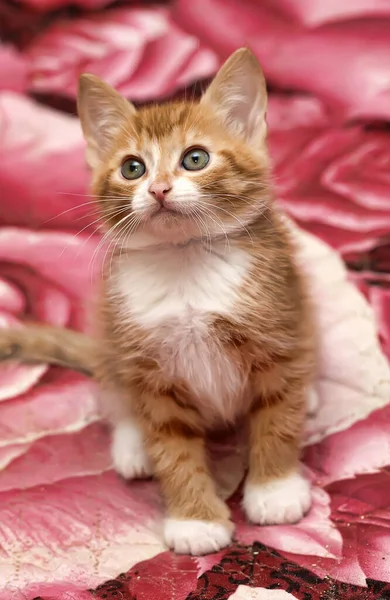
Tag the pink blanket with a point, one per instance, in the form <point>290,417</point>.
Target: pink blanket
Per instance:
<point>67,522</point>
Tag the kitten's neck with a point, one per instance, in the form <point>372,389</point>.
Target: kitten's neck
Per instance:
<point>178,246</point>
<point>260,223</point>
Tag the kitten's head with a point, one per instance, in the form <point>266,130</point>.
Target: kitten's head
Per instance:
<point>183,170</point>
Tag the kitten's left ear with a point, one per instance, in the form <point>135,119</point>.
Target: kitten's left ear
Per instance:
<point>103,114</point>
<point>239,94</point>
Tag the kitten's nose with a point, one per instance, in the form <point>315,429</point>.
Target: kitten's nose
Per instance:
<point>159,190</point>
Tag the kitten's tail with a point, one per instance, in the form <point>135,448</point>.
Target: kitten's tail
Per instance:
<point>52,345</point>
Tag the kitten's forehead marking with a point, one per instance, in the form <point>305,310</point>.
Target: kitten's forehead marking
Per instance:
<point>157,122</point>
<point>155,161</point>
<point>162,156</point>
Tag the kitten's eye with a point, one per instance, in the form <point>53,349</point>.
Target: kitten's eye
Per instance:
<point>132,169</point>
<point>195,159</point>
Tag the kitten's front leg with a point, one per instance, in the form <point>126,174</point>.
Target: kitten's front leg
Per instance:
<point>197,519</point>
<point>275,490</point>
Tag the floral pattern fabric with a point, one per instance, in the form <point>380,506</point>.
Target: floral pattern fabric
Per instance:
<point>70,529</point>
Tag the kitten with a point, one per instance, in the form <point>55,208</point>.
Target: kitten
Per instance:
<point>202,317</point>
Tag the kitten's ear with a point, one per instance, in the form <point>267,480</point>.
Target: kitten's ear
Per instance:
<point>103,113</point>
<point>239,94</point>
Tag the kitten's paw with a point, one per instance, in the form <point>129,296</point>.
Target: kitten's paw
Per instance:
<point>197,537</point>
<point>128,454</point>
<point>277,502</point>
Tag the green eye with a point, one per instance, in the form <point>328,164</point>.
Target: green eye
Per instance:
<point>195,159</point>
<point>132,169</point>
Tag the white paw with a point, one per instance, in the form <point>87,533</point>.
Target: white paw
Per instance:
<point>280,501</point>
<point>128,454</point>
<point>196,537</point>
<point>312,402</point>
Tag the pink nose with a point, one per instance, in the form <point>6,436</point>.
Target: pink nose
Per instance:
<point>159,190</point>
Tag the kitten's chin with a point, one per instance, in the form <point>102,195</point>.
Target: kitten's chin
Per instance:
<point>171,225</point>
<point>166,218</point>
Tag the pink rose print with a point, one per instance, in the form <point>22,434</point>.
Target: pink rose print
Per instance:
<point>39,282</point>
<point>139,51</point>
<point>360,513</point>
<point>13,70</point>
<point>42,172</point>
<point>278,40</point>
<point>374,283</point>
<point>331,180</point>
<point>312,13</point>
<point>42,6</point>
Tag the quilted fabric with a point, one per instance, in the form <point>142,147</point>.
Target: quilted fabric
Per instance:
<point>70,529</point>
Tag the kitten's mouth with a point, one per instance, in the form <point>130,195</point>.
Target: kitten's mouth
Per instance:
<point>166,211</point>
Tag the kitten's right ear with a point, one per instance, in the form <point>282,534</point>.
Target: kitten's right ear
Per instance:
<point>103,112</point>
<point>238,94</point>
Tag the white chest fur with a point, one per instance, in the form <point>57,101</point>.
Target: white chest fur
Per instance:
<point>174,293</point>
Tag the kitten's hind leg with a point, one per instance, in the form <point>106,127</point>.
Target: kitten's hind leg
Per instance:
<point>128,451</point>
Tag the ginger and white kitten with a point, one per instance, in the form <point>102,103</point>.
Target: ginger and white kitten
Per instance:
<point>203,317</point>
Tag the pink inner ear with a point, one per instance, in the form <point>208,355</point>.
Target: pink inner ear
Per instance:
<point>103,113</point>
<point>239,94</point>
<point>248,102</point>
